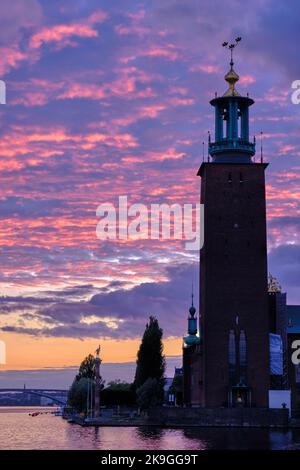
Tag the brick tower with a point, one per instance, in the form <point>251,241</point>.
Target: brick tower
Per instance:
<point>234,343</point>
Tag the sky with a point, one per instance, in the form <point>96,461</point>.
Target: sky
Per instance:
<point>111,98</point>
<point>62,377</point>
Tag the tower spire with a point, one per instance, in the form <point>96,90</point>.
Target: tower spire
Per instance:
<point>231,143</point>
<point>192,294</point>
<point>231,77</point>
<point>192,337</point>
<point>231,47</point>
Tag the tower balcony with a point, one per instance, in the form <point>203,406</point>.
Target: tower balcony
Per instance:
<point>228,147</point>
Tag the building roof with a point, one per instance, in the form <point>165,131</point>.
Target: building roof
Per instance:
<point>293,313</point>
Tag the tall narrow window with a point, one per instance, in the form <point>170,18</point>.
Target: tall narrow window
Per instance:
<point>240,124</point>
<point>237,355</point>
<point>224,124</point>
<point>243,357</point>
<point>232,357</point>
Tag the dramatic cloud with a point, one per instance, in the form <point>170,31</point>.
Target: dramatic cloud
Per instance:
<point>113,313</point>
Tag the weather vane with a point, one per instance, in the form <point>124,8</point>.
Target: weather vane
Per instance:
<point>231,47</point>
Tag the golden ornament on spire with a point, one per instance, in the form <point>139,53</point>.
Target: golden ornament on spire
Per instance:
<point>231,78</point>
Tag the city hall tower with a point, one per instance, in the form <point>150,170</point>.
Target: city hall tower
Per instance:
<point>229,365</point>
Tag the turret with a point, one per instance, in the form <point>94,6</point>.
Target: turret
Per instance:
<point>192,337</point>
<point>231,143</point>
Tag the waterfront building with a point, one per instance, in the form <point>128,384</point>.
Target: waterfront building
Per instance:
<point>239,357</point>
<point>242,354</point>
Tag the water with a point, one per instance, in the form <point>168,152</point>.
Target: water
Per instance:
<point>18,430</point>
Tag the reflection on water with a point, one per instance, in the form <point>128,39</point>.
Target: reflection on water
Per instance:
<point>20,431</point>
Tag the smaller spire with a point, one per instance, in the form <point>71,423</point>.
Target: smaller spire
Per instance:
<point>192,309</point>
<point>192,338</point>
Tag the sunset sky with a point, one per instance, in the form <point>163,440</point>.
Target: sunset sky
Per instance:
<point>110,98</point>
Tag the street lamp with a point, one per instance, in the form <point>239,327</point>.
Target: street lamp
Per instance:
<point>97,382</point>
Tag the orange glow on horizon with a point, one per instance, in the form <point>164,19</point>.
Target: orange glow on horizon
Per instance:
<point>26,352</point>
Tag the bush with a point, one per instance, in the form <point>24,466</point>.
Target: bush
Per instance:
<point>149,394</point>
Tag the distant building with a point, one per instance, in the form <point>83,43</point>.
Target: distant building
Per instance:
<point>173,388</point>
<point>293,330</point>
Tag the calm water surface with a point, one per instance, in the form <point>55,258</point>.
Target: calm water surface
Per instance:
<point>18,430</point>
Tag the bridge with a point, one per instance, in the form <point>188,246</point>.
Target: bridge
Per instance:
<point>46,393</point>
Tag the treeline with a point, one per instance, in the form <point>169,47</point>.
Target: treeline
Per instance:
<point>147,388</point>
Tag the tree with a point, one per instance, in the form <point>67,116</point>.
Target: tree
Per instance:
<point>83,381</point>
<point>118,393</point>
<point>87,368</point>
<point>77,396</point>
<point>150,359</point>
<point>148,394</point>
<point>118,385</point>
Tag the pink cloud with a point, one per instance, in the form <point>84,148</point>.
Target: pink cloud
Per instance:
<point>247,80</point>
<point>137,16</point>
<point>79,90</point>
<point>206,68</point>
<point>125,85</point>
<point>31,99</point>
<point>10,58</point>
<point>115,140</point>
<point>98,16</point>
<point>140,31</point>
<point>289,149</point>
<point>275,95</point>
<point>22,141</point>
<point>37,92</point>
<point>62,33</point>
<point>166,52</point>
<point>169,154</point>
<point>182,101</point>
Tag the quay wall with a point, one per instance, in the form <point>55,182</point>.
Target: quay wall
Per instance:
<point>247,417</point>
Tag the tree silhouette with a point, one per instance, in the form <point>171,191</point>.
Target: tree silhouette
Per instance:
<point>150,362</point>
<point>87,368</point>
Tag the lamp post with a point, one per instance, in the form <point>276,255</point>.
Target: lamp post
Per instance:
<point>97,383</point>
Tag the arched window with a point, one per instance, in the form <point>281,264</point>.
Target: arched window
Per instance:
<point>237,357</point>
<point>243,357</point>
<point>232,357</point>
